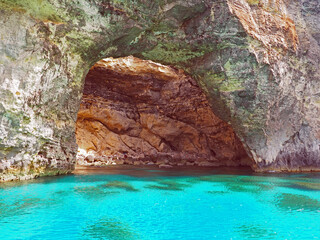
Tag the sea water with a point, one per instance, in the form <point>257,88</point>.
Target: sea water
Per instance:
<point>150,204</point>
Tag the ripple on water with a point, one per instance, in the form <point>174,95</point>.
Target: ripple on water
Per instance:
<point>161,207</point>
<point>24,205</point>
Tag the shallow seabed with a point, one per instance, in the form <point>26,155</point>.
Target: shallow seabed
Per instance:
<point>152,204</point>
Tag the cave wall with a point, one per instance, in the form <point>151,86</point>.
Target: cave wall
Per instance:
<point>257,61</point>
<point>138,112</point>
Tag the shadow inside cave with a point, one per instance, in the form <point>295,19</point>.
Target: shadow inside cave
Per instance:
<point>139,112</point>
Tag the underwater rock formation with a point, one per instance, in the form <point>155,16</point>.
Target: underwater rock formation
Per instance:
<point>256,60</point>
<point>136,111</point>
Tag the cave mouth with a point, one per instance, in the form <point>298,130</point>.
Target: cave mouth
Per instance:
<point>139,112</point>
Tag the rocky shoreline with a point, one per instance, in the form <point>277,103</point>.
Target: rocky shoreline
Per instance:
<point>166,161</point>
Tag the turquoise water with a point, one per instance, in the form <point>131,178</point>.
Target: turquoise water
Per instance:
<point>153,205</point>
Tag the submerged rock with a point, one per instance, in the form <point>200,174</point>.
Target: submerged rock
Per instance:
<point>170,185</point>
<point>109,228</point>
<point>120,185</point>
<point>296,202</point>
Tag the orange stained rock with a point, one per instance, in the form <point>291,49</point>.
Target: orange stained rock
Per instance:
<point>269,23</point>
<point>138,110</point>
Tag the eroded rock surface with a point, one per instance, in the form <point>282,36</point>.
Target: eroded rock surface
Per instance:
<point>256,60</point>
<point>284,104</point>
<point>137,112</point>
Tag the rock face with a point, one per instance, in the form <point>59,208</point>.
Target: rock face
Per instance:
<point>256,60</point>
<point>285,99</point>
<point>137,112</point>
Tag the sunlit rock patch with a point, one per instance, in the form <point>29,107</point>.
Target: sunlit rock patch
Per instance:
<point>136,112</point>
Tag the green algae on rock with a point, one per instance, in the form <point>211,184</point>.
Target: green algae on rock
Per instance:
<point>38,9</point>
<point>257,62</point>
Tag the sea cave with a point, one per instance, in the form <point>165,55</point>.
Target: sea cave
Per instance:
<point>139,119</point>
<point>140,112</point>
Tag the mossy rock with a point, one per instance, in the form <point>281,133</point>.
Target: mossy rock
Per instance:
<point>253,2</point>
<point>38,9</point>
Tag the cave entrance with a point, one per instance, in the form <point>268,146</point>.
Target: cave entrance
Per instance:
<point>140,112</point>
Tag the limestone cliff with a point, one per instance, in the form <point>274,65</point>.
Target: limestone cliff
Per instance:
<point>256,60</point>
<point>137,112</point>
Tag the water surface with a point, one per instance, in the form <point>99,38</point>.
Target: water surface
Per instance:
<point>152,204</point>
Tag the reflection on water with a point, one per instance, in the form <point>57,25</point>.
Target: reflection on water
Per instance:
<point>218,178</point>
<point>155,204</point>
<point>304,185</point>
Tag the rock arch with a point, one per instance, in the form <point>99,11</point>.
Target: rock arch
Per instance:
<point>262,79</point>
